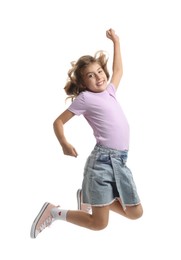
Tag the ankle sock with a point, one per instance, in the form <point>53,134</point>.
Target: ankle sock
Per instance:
<point>58,213</point>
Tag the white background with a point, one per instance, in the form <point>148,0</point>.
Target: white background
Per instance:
<point>38,41</point>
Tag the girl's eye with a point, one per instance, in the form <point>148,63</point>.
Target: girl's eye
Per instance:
<point>91,75</point>
<point>100,71</point>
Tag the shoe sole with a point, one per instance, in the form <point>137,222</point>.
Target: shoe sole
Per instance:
<point>33,228</point>
<point>79,199</point>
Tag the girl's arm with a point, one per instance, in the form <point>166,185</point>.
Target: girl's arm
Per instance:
<point>117,60</point>
<point>67,148</point>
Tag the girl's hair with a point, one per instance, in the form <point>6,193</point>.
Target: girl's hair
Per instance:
<point>75,84</point>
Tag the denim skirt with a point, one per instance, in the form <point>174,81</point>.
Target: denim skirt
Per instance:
<point>107,178</point>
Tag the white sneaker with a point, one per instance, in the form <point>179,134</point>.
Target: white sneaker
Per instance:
<point>82,206</point>
<point>43,220</point>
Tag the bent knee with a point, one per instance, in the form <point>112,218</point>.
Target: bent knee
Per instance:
<point>99,225</point>
<point>134,212</point>
<point>137,214</point>
<point>100,218</point>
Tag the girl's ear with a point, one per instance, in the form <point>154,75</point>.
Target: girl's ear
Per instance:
<point>83,87</point>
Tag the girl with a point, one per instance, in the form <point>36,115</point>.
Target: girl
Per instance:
<point>108,183</point>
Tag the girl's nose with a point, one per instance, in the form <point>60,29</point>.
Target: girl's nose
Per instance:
<point>97,76</point>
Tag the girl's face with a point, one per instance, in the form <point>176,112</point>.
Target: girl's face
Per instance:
<point>95,78</point>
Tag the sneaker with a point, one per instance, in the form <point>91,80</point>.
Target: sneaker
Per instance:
<point>81,206</point>
<point>43,220</point>
<point>79,198</point>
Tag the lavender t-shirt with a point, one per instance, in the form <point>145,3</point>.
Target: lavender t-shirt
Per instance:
<point>105,115</point>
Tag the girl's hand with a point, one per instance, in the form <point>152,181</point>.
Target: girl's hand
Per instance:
<point>68,149</point>
<point>111,35</point>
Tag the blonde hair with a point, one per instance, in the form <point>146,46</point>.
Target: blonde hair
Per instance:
<point>75,84</point>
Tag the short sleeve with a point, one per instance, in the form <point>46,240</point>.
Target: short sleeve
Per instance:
<point>78,105</point>
<point>111,89</point>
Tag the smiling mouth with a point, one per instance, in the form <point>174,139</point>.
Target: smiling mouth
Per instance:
<point>100,83</point>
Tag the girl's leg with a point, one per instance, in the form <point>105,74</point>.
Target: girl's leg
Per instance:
<point>131,212</point>
<point>49,212</point>
<point>97,221</point>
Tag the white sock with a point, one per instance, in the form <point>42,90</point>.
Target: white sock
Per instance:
<point>58,213</point>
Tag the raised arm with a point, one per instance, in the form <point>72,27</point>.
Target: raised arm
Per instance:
<point>67,148</point>
<point>117,60</point>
